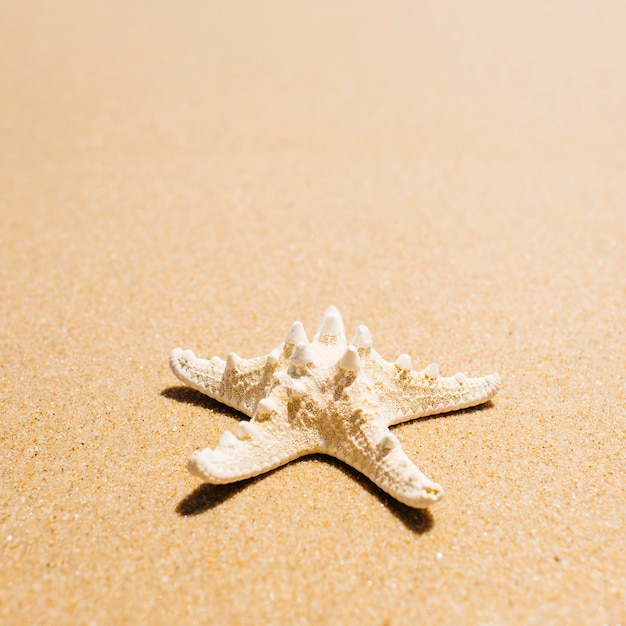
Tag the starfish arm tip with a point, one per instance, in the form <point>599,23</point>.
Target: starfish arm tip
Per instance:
<point>209,466</point>
<point>180,358</point>
<point>494,381</point>
<point>420,492</point>
<point>197,464</point>
<point>175,357</point>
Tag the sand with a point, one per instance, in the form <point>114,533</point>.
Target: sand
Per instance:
<point>201,174</point>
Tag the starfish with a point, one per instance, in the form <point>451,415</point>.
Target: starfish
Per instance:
<point>329,397</point>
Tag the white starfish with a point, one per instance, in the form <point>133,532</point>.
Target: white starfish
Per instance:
<point>328,397</point>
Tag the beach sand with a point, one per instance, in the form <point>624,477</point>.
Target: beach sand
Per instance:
<point>201,174</point>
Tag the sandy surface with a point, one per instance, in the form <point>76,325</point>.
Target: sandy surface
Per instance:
<point>200,175</point>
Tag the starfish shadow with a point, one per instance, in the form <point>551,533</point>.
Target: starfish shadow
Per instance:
<point>206,497</point>
<point>417,520</point>
<point>187,395</point>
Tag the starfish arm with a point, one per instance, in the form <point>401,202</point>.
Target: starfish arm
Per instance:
<point>378,454</point>
<point>239,383</point>
<point>255,448</point>
<point>408,394</point>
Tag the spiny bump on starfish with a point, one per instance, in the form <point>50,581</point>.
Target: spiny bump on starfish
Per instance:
<point>325,396</point>
<point>404,362</point>
<point>350,361</point>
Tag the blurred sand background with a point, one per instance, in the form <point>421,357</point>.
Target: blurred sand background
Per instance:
<point>200,174</point>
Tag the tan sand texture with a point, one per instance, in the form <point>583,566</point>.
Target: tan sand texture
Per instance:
<point>201,174</point>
